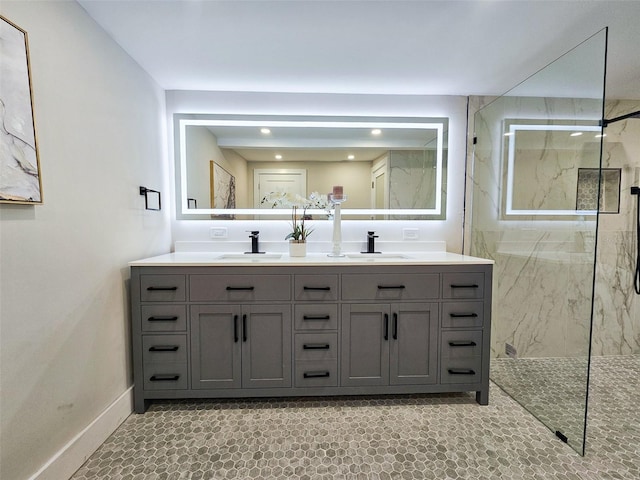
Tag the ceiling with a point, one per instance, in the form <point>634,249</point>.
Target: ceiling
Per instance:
<point>426,47</point>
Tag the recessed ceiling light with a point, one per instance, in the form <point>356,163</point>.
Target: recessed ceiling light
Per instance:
<point>576,134</point>
<point>376,131</point>
<point>350,157</point>
<point>265,131</point>
<point>278,157</point>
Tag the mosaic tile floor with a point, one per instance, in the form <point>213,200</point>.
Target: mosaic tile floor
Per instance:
<point>371,438</point>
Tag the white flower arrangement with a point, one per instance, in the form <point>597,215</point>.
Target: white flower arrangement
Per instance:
<point>316,200</point>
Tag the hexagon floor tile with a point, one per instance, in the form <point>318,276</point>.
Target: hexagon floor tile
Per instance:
<point>443,436</point>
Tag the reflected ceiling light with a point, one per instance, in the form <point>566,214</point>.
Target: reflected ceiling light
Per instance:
<point>508,134</point>
<point>600,135</point>
<point>278,157</point>
<point>265,131</point>
<point>376,131</point>
<point>351,157</point>
<point>576,134</point>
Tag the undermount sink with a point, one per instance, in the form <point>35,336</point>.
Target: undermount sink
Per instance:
<point>250,256</point>
<point>369,256</point>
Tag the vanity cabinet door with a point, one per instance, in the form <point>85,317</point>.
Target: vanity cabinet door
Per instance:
<point>365,345</point>
<point>413,343</point>
<point>266,346</point>
<point>216,343</point>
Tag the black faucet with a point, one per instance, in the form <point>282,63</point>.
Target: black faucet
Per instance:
<point>371,238</point>
<point>254,242</point>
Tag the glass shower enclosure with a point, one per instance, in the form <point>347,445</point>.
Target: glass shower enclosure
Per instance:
<point>537,190</point>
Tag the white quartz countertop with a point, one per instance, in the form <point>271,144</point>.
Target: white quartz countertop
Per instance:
<point>202,259</point>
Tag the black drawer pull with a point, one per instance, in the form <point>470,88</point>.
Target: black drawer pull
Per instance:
<point>161,289</point>
<point>162,319</point>
<point>240,289</point>
<point>462,344</point>
<point>315,374</point>
<point>463,315</point>
<point>164,348</point>
<point>316,317</point>
<point>386,326</point>
<point>164,377</point>
<point>467,285</point>
<point>315,346</point>
<point>244,328</point>
<point>395,326</point>
<point>461,371</point>
<point>391,287</point>
<point>323,289</point>
<point>235,329</point>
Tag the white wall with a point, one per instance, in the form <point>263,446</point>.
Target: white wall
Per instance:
<point>64,338</point>
<point>453,107</point>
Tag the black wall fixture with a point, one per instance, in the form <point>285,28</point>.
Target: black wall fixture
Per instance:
<point>153,201</point>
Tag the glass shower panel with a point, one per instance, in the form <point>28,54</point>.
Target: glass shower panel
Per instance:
<point>530,145</point>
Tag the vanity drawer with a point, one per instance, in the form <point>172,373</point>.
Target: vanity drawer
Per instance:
<point>239,288</point>
<point>162,288</point>
<point>158,349</point>
<point>165,376</point>
<point>461,344</point>
<point>163,318</point>
<point>316,317</point>
<point>316,374</point>
<point>461,370</point>
<point>316,287</point>
<point>392,286</point>
<point>463,285</point>
<point>462,314</point>
<point>316,346</point>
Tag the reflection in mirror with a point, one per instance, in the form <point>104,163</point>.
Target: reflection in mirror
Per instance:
<point>543,163</point>
<point>227,165</point>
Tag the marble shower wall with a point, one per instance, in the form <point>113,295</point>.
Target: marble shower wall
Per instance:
<point>616,323</point>
<point>409,172</point>
<point>544,267</point>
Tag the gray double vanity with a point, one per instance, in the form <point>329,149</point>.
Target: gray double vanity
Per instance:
<point>210,325</point>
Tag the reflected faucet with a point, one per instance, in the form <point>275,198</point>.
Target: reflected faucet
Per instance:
<point>254,241</point>
<point>371,238</point>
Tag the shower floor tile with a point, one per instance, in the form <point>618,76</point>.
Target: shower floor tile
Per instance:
<point>399,437</point>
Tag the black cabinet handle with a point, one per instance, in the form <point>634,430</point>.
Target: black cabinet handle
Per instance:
<point>468,285</point>
<point>160,289</point>
<point>316,317</point>
<point>323,289</point>
<point>395,326</point>
<point>391,287</point>
<point>240,289</point>
<point>386,326</point>
<point>461,371</point>
<point>235,329</point>
<point>164,377</point>
<point>463,315</point>
<point>162,319</point>
<point>244,328</point>
<point>164,348</point>
<point>315,346</point>
<point>315,374</point>
<point>462,344</point>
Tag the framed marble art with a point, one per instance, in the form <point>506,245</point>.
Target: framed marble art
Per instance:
<point>20,181</point>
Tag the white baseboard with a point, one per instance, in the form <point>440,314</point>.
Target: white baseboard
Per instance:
<point>71,457</point>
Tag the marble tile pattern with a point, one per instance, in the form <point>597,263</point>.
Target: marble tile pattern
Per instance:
<point>544,266</point>
<point>441,437</point>
<point>412,176</point>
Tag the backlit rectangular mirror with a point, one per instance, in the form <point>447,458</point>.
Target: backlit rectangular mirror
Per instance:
<point>232,166</point>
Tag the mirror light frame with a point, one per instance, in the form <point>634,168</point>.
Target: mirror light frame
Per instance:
<point>186,120</point>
